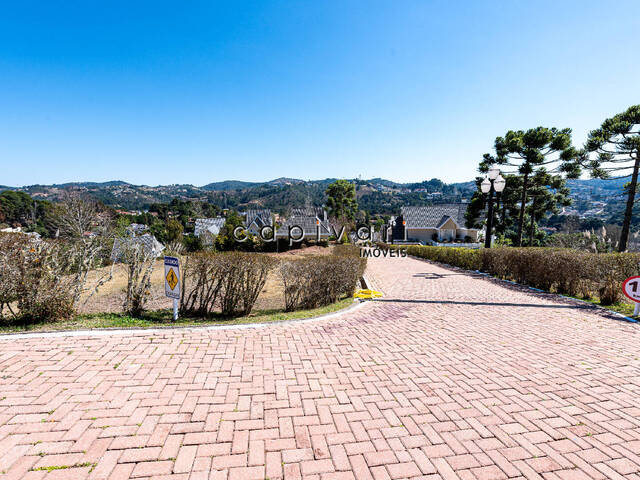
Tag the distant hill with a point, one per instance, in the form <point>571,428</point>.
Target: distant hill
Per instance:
<point>377,195</point>
<point>465,185</point>
<point>240,185</point>
<point>611,184</point>
<point>285,181</point>
<point>385,183</point>
<point>112,183</point>
<point>229,185</point>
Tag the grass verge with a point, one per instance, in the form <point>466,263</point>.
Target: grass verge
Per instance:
<point>162,318</point>
<point>624,308</point>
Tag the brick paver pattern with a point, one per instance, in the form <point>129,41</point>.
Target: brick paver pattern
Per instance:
<point>452,376</point>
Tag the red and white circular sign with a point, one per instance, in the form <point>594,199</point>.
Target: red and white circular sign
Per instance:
<point>631,288</point>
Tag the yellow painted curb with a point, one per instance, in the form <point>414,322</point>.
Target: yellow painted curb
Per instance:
<point>367,294</point>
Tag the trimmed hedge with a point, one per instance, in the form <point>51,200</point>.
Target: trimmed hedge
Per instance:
<point>561,270</point>
<point>315,281</point>
<point>460,257</point>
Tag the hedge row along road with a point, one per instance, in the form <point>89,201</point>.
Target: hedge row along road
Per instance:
<point>450,376</point>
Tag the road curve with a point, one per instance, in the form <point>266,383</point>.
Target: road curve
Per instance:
<point>451,375</point>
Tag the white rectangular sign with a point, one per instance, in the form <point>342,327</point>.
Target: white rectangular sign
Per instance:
<point>172,277</point>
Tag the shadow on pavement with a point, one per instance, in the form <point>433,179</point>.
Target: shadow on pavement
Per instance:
<point>497,304</point>
<point>435,276</point>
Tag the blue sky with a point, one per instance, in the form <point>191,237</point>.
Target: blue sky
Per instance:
<point>195,92</point>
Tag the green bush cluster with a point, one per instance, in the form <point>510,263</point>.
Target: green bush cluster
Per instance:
<point>561,270</point>
<point>460,257</point>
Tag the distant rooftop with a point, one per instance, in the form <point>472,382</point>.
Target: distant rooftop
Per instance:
<point>435,215</point>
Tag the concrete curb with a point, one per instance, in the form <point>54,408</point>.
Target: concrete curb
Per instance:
<point>102,332</point>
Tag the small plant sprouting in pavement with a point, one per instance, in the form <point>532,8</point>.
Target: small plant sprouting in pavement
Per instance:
<point>64,467</point>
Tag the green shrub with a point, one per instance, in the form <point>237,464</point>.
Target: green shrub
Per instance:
<point>192,243</point>
<point>459,257</point>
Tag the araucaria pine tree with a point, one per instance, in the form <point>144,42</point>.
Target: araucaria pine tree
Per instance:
<point>613,151</point>
<point>538,150</point>
<point>341,200</point>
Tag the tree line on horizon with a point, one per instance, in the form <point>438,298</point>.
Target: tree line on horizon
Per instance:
<point>536,164</point>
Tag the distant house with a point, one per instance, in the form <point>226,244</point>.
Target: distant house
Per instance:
<point>312,221</point>
<point>318,212</point>
<point>147,243</point>
<point>34,235</point>
<point>127,212</point>
<point>255,220</point>
<point>208,228</point>
<point>11,230</point>
<point>440,223</point>
<point>137,228</point>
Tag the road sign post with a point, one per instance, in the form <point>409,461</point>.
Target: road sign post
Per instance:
<point>172,282</point>
<point>631,289</point>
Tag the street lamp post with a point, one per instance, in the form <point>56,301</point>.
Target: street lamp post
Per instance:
<point>389,228</point>
<point>532,225</point>
<point>493,182</point>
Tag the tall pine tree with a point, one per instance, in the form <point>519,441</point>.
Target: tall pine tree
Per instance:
<point>613,151</point>
<point>535,151</point>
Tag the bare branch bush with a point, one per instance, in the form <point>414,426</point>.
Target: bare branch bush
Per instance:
<point>175,248</point>
<point>139,261</point>
<point>297,278</point>
<point>10,246</point>
<point>34,286</point>
<point>243,278</point>
<point>231,281</point>
<point>86,229</point>
<point>353,252</point>
<point>202,277</point>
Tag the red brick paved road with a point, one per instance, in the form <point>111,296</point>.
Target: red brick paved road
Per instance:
<point>497,383</point>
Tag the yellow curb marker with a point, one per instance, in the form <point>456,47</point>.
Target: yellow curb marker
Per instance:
<point>367,294</point>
